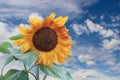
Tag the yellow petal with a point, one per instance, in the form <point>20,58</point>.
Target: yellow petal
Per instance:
<point>61,21</point>
<point>48,22</point>
<point>61,60</point>
<point>22,29</point>
<point>61,53</point>
<point>52,15</point>
<point>25,47</point>
<point>64,20</point>
<point>44,57</point>
<point>55,57</point>
<point>19,42</point>
<point>35,22</point>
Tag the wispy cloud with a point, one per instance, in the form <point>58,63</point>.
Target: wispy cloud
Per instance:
<point>79,29</point>
<point>90,56</point>
<point>100,29</point>
<point>20,9</point>
<point>113,44</point>
<point>85,74</point>
<point>5,34</point>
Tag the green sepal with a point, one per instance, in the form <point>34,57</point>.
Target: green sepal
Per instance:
<point>16,37</point>
<point>4,47</point>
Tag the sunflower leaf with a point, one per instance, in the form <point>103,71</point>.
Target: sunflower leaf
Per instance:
<point>4,47</point>
<point>2,78</point>
<point>14,74</point>
<point>9,59</point>
<point>27,58</point>
<point>56,71</point>
<point>16,37</point>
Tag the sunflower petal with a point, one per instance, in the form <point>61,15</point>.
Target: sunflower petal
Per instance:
<point>22,29</point>
<point>48,22</point>
<point>60,52</point>
<point>61,60</point>
<point>25,47</point>
<point>61,21</point>
<point>35,22</point>
<point>55,57</point>
<point>19,42</point>
<point>52,15</point>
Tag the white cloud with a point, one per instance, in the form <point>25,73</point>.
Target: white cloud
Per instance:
<point>87,59</point>
<point>5,34</point>
<point>84,74</point>
<point>22,8</point>
<point>100,29</point>
<point>115,18</point>
<point>36,15</point>
<point>90,63</point>
<point>113,44</point>
<point>107,33</point>
<point>79,29</point>
<point>92,55</point>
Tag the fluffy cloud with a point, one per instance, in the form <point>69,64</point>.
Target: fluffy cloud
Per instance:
<point>100,29</point>
<point>79,29</point>
<point>84,74</point>
<point>87,59</point>
<point>21,8</point>
<point>36,15</point>
<point>113,44</point>
<point>5,34</point>
<point>91,56</point>
<point>115,18</point>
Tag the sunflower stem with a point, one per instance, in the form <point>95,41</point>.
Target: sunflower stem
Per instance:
<point>31,68</point>
<point>25,67</point>
<point>2,71</point>
<point>33,75</point>
<point>37,72</point>
<point>45,77</point>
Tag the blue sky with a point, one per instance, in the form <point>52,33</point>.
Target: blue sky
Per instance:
<point>93,24</point>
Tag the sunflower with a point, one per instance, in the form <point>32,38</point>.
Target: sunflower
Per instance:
<point>48,37</point>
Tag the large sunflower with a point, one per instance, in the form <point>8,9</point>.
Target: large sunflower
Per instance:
<point>49,38</point>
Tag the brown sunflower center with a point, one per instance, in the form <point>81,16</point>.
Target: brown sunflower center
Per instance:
<point>45,39</point>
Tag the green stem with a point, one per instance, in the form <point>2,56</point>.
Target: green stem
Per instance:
<point>37,72</point>
<point>2,70</point>
<point>31,68</point>
<point>25,67</point>
<point>45,77</point>
<point>33,75</point>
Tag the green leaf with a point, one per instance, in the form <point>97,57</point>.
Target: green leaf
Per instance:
<point>14,74</point>
<point>9,59</point>
<point>27,58</point>
<point>4,47</point>
<point>56,71</point>
<point>2,78</point>
<point>16,37</point>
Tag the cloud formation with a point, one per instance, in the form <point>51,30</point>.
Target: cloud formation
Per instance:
<point>20,9</point>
